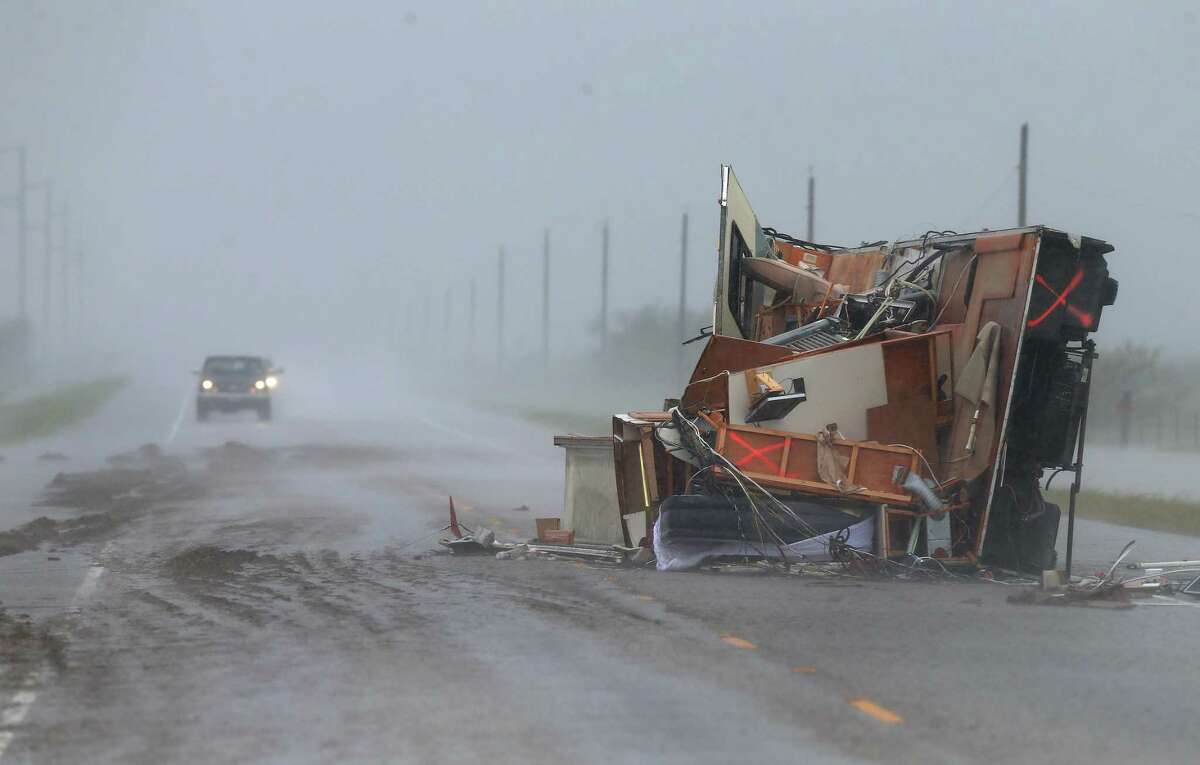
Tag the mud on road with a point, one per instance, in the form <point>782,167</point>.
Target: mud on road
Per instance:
<point>227,584</point>
<point>241,618</point>
<point>291,605</point>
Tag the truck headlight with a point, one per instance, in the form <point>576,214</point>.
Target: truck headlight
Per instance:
<point>271,382</point>
<point>259,384</point>
<point>206,384</point>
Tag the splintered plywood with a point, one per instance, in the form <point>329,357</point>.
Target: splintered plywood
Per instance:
<point>840,386</point>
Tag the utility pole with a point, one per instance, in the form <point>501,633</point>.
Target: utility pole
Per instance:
<point>546,297</point>
<point>681,328</point>
<point>48,237</point>
<point>445,349</point>
<point>500,309</point>
<point>604,288</point>
<point>1023,174</point>
<point>471,322</point>
<point>683,247</point>
<point>64,267</point>
<point>425,325</point>
<point>78,284</point>
<point>22,233</point>
<point>812,202</point>
<point>21,201</point>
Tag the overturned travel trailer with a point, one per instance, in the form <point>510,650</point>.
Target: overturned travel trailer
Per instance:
<point>895,399</point>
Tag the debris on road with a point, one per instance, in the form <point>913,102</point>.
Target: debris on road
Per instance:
<point>470,543</point>
<point>551,542</point>
<point>588,489</point>
<point>210,561</point>
<point>543,526</point>
<point>891,406</point>
<point>1105,589</point>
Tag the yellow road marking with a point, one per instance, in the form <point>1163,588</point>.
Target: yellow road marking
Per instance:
<point>882,714</point>
<point>804,670</point>
<point>646,598</point>
<point>738,642</point>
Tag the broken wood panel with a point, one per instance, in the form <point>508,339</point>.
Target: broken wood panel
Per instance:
<point>753,450</point>
<point>711,393</point>
<point>798,255</point>
<point>632,489</point>
<point>789,460</point>
<point>912,422</point>
<point>649,465</point>
<point>909,368</point>
<point>873,468</point>
<point>730,354</point>
<point>856,270</point>
<point>823,489</point>
<point>993,299</point>
<point>801,461</point>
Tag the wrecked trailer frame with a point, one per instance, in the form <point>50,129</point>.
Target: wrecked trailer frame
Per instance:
<point>931,379</point>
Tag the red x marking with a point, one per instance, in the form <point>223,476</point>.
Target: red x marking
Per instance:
<point>755,453</point>
<point>1084,317</point>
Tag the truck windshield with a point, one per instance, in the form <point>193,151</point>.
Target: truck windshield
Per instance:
<point>234,365</point>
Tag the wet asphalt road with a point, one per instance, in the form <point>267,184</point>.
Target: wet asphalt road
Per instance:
<point>291,607</point>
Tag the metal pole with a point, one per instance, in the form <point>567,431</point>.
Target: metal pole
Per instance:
<point>681,329</point>
<point>471,321</point>
<point>500,309</point>
<point>22,234</point>
<point>604,288</point>
<point>425,324</point>
<point>1089,350</point>
<point>78,283</point>
<point>546,297</point>
<point>64,265</point>
<point>683,252</point>
<point>48,236</point>
<point>1125,411</point>
<point>1023,174</point>
<point>812,202</point>
<point>449,317</point>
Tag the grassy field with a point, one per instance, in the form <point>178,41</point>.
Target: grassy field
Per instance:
<point>1142,511</point>
<point>50,412</point>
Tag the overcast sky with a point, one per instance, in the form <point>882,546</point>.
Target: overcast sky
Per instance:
<point>284,172</point>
